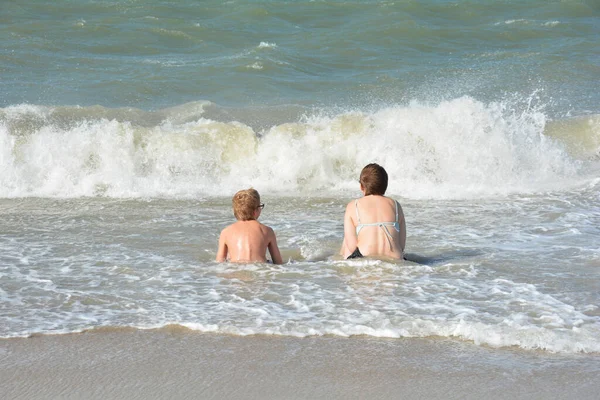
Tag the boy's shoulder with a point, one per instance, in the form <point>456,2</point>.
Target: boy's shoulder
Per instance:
<point>265,229</point>
<point>230,229</point>
<point>239,224</point>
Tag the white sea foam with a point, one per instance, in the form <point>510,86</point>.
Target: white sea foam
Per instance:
<point>455,149</point>
<point>342,298</point>
<point>551,23</point>
<point>266,45</point>
<point>514,21</point>
<point>256,65</point>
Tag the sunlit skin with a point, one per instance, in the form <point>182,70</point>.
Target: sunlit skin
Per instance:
<point>248,241</point>
<point>372,240</point>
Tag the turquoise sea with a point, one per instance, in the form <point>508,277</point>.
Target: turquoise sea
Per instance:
<point>363,55</point>
<point>126,127</point>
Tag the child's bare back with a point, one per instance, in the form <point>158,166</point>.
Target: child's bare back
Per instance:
<point>247,240</point>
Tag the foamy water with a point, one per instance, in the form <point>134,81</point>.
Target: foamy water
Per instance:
<point>515,271</point>
<point>454,149</point>
<point>125,128</point>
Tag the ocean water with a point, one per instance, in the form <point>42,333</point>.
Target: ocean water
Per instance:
<point>126,127</point>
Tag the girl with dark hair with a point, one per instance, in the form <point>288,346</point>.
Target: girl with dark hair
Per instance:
<point>374,225</point>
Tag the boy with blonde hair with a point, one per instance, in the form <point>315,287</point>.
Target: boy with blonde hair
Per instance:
<point>247,240</point>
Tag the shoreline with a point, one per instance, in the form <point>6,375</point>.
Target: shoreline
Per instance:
<point>178,364</point>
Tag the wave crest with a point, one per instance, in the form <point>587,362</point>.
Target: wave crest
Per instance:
<point>458,148</point>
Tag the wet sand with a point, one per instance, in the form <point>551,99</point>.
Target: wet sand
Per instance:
<point>182,364</point>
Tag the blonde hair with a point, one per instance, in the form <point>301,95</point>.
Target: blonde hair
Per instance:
<point>245,203</point>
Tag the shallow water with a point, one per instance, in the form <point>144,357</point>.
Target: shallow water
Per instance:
<point>520,271</point>
<point>125,128</point>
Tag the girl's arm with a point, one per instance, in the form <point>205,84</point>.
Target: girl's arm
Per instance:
<point>350,239</point>
<point>402,223</point>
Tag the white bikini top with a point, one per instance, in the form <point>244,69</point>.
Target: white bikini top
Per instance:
<point>382,225</point>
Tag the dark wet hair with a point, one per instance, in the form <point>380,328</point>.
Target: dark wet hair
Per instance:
<point>374,179</point>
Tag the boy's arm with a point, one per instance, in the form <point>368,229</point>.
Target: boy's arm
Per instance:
<point>222,250</point>
<point>274,249</point>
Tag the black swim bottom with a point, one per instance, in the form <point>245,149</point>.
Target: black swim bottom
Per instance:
<point>356,254</point>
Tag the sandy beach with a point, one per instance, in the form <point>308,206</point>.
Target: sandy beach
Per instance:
<point>179,364</point>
